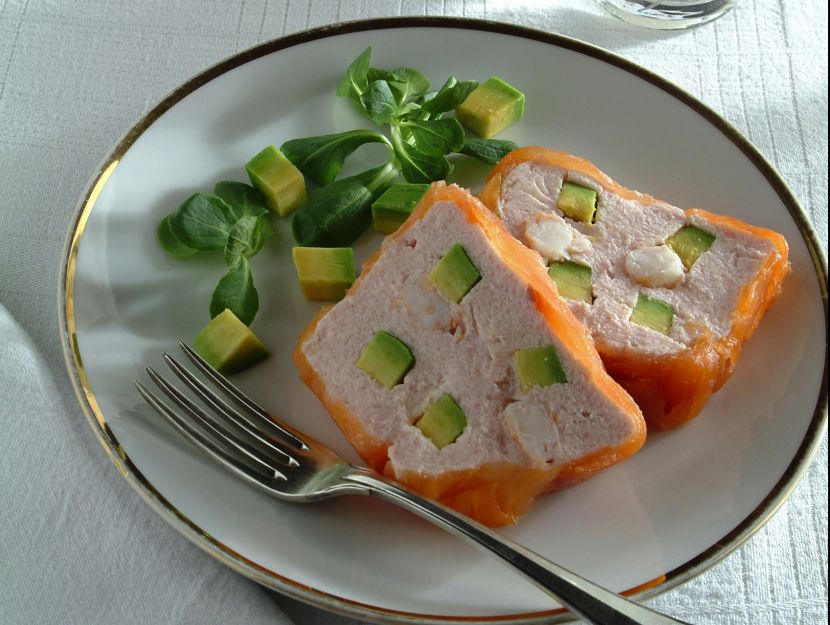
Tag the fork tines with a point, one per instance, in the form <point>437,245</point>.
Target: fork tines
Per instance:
<point>246,440</point>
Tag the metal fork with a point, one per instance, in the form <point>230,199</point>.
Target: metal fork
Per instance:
<point>286,464</point>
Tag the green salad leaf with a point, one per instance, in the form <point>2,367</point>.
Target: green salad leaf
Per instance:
<point>416,165</point>
<point>170,242</point>
<point>451,94</point>
<point>379,102</point>
<point>236,291</point>
<point>203,222</point>
<point>488,150</point>
<point>242,198</point>
<point>356,80</point>
<point>337,214</point>
<point>433,137</point>
<point>406,84</point>
<point>233,219</point>
<point>320,158</point>
<point>375,73</point>
<point>246,238</point>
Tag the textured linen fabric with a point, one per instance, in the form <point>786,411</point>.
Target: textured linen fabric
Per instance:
<point>76,544</point>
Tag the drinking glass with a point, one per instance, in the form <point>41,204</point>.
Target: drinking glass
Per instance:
<point>667,14</point>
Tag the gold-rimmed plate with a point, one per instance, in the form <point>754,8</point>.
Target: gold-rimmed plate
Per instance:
<point>686,500</point>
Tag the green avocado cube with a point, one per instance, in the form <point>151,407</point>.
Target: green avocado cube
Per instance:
<point>652,313</point>
<point>228,345</point>
<point>689,243</point>
<point>577,202</point>
<point>278,180</point>
<point>395,205</point>
<point>324,272</point>
<point>386,359</point>
<point>539,366</point>
<point>491,107</point>
<point>455,274</point>
<point>443,421</point>
<point>573,281</point>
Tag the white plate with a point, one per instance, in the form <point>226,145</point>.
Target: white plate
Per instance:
<point>688,498</point>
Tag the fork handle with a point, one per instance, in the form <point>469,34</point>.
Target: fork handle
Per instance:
<point>593,603</point>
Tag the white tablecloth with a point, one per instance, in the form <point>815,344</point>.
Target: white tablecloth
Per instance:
<point>76,544</point>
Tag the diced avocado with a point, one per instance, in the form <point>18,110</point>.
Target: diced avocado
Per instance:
<point>277,179</point>
<point>443,421</point>
<point>491,107</point>
<point>539,366</point>
<point>395,205</point>
<point>689,243</point>
<point>573,280</point>
<point>324,272</point>
<point>228,345</point>
<point>577,202</point>
<point>652,313</point>
<point>455,274</point>
<point>386,359</point>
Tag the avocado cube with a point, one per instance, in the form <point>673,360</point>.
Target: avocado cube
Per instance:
<point>386,359</point>
<point>573,281</point>
<point>539,366</point>
<point>652,313</point>
<point>324,272</point>
<point>443,421</point>
<point>228,345</point>
<point>577,202</point>
<point>491,107</point>
<point>689,243</point>
<point>455,274</point>
<point>278,180</point>
<point>395,205</point>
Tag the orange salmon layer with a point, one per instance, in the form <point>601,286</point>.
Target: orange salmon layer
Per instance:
<point>493,494</point>
<point>670,391</point>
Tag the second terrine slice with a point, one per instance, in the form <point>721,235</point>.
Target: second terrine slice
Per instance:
<point>670,296</point>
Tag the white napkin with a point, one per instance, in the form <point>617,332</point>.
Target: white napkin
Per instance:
<point>71,531</point>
